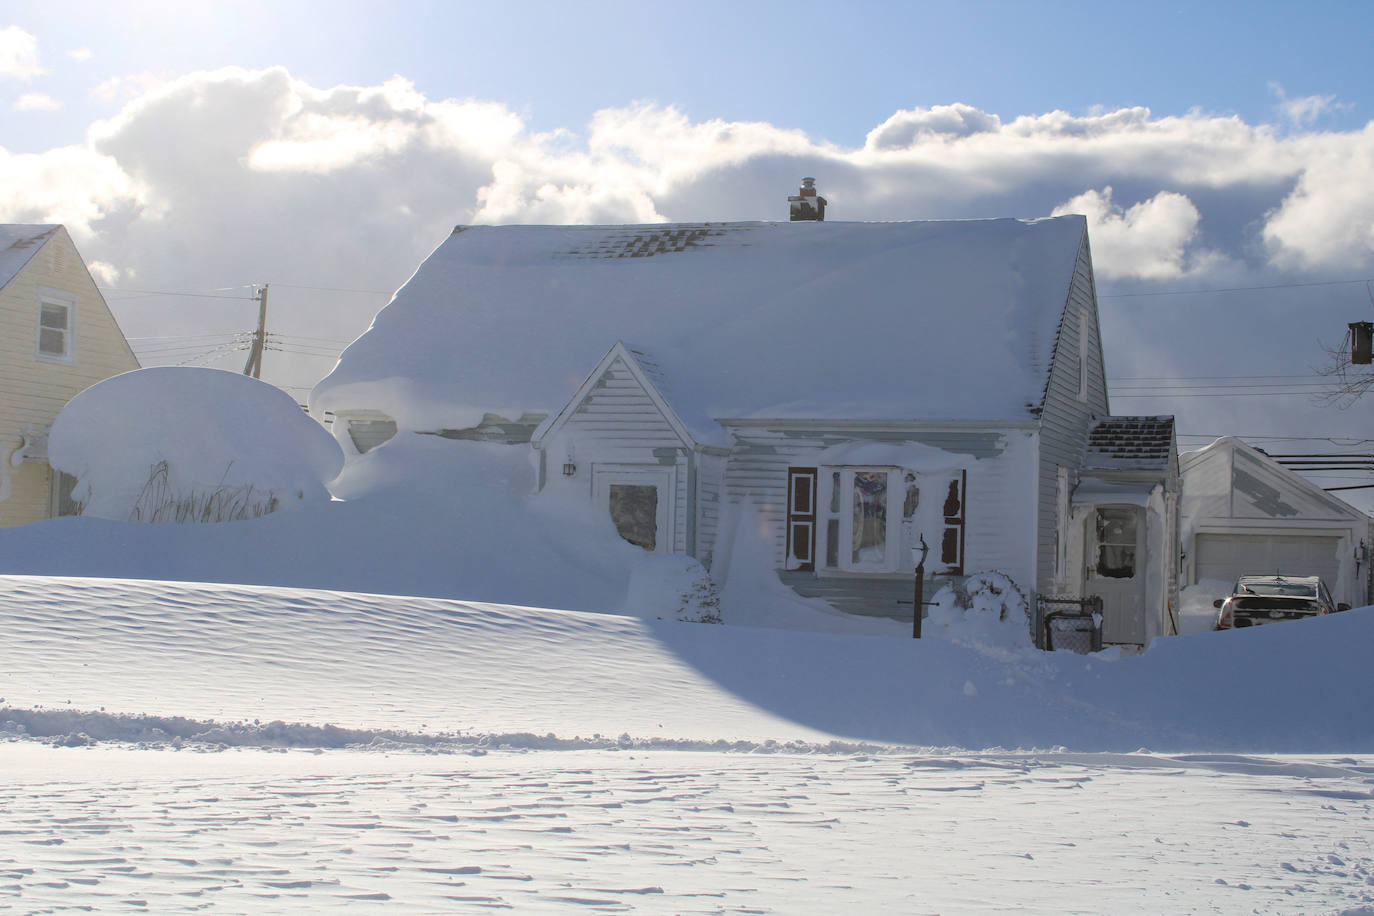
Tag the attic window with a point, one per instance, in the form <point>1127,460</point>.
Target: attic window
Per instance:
<point>56,314</point>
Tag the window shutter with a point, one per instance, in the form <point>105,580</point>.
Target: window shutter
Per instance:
<point>952,538</point>
<point>801,519</point>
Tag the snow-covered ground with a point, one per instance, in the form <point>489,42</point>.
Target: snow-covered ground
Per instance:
<point>181,746</point>
<point>444,693</point>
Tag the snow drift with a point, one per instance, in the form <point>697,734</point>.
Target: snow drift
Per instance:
<point>187,444</point>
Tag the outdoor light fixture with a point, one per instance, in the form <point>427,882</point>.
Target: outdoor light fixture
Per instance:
<point>569,469</point>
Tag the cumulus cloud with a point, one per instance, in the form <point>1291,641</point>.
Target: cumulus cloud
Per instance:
<point>942,121</point>
<point>1327,222</point>
<point>238,176</point>
<point>1148,240</point>
<point>36,101</point>
<point>18,54</point>
<point>81,54</point>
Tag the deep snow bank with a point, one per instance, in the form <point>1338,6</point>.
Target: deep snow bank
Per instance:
<point>221,654</point>
<point>173,443</point>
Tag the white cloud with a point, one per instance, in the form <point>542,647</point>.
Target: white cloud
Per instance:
<point>81,54</point>
<point>1327,222</point>
<point>105,273</point>
<point>1149,240</point>
<point>238,176</point>
<point>36,101</point>
<point>18,54</point>
<point>1302,112</point>
<point>126,87</point>
<point>942,121</point>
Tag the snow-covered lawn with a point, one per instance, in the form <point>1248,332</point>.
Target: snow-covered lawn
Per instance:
<point>167,743</point>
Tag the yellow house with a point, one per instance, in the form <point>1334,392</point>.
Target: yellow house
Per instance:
<point>58,339</point>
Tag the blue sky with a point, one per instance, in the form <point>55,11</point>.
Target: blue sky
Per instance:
<point>831,70</point>
<point>326,148</point>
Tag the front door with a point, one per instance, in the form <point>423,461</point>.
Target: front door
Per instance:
<point>1115,570</point>
<point>639,499</point>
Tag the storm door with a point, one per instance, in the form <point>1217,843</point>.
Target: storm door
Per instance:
<point>639,499</point>
<point>1115,570</point>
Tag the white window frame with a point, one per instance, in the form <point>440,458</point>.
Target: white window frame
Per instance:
<point>896,486</point>
<point>52,298</point>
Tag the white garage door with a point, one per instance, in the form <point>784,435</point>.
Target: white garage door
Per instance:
<point>1229,556</point>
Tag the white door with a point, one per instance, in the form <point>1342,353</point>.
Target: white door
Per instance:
<point>1115,571</point>
<point>639,499</point>
<point>1230,556</point>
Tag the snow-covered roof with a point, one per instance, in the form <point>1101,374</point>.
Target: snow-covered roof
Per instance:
<point>830,320</point>
<point>18,242</point>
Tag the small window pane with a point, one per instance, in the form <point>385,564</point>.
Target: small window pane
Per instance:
<point>54,343</point>
<point>913,497</point>
<point>54,316</point>
<point>870,517</point>
<point>801,542</point>
<point>801,494</point>
<point>1116,542</point>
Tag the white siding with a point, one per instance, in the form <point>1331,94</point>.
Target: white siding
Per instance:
<point>998,483</point>
<point>1066,417</point>
<point>618,423</point>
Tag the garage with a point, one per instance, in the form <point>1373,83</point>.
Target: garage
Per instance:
<point>1229,556</point>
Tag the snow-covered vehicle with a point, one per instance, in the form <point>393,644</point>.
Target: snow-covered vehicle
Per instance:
<point>1268,599</point>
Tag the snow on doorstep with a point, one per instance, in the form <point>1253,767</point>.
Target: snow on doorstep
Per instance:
<point>137,440</point>
<point>908,320</point>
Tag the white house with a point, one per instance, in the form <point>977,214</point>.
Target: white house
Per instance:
<point>841,392</point>
<point>1243,513</point>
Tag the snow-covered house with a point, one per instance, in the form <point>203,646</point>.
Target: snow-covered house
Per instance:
<point>1243,513</point>
<point>836,392</point>
<point>59,339</point>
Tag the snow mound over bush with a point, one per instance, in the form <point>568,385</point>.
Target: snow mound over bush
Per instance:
<point>188,444</point>
<point>672,587</point>
<point>986,609</point>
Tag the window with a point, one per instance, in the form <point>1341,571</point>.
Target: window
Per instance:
<point>1116,542</point>
<point>55,326</point>
<point>61,502</point>
<point>872,519</point>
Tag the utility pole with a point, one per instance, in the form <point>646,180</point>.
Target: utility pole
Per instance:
<point>254,365</point>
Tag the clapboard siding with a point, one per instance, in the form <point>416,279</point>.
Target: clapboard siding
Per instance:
<point>32,390</point>
<point>756,477</point>
<point>617,422</point>
<point>1066,417</point>
<point>710,481</point>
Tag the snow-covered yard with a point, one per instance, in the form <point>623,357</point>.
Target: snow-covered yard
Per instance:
<point>447,695</point>
<point>166,743</point>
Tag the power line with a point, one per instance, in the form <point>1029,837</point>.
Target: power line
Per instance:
<point>337,289</point>
<point>1231,289</point>
<point>166,292</point>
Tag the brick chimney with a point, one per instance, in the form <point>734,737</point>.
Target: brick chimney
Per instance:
<point>806,205</point>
